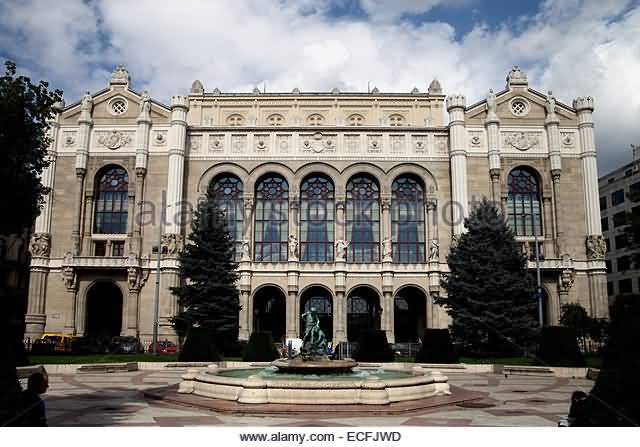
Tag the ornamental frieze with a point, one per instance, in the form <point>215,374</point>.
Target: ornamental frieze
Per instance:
<point>523,141</point>
<point>114,140</point>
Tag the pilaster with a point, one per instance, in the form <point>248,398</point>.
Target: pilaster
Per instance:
<point>456,105</point>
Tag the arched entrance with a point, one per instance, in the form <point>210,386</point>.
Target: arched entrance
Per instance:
<point>409,315</point>
<point>269,312</point>
<point>320,298</point>
<point>104,310</point>
<point>363,312</point>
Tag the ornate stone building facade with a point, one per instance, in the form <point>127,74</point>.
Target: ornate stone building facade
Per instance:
<point>348,202</point>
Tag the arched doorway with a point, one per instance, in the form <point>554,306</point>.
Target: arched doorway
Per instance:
<point>409,315</point>
<point>104,310</point>
<point>269,312</point>
<point>320,299</point>
<point>363,312</point>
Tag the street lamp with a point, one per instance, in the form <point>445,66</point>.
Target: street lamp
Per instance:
<point>156,298</point>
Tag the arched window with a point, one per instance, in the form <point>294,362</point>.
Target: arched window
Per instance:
<point>112,201</point>
<point>523,203</point>
<point>235,120</point>
<point>227,191</point>
<point>316,219</point>
<point>363,220</point>
<point>396,120</point>
<point>271,219</point>
<point>355,119</point>
<point>315,119</point>
<point>407,220</point>
<point>275,119</point>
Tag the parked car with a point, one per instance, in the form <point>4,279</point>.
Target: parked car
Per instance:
<point>56,342</point>
<point>164,347</point>
<point>42,347</point>
<point>88,345</point>
<point>125,345</point>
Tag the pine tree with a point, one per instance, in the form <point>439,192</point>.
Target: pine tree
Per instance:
<point>209,295</point>
<point>491,295</point>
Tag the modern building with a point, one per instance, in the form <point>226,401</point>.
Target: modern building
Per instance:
<point>619,199</point>
<point>346,201</point>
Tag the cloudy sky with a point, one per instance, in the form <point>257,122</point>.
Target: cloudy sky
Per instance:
<point>573,47</point>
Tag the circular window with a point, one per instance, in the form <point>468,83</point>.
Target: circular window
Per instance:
<point>118,106</point>
<point>519,107</point>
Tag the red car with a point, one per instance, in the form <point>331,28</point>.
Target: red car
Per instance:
<point>164,347</point>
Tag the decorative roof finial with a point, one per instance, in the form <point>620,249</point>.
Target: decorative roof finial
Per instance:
<point>197,88</point>
<point>435,88</point>
<point>120,76</point>
<point>517,77</point>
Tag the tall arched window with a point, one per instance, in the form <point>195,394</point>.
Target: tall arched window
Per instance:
<point>227,191</point>
<point>271,219</point>
<point>407,220</point>
<point>112,199</point>
<point>316,219</point>
<point>363,219</point>
<point>523,203</point>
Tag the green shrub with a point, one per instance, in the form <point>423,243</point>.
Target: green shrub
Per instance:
<point>617,383</point>
<point>558,347</point>
<point>373,347</point>
<point>199,346</point>
<point>436,347</point>
<point>260,348</point>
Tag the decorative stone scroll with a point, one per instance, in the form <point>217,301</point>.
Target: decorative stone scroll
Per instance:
<point>114,140</point>
<point>523,141</point>
<point>40,244</point>
<point>596,247</point>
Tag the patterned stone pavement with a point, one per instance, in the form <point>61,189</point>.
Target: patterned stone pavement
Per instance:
<point>116,399</point>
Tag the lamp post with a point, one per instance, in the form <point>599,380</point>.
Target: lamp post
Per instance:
<point>156,298</point>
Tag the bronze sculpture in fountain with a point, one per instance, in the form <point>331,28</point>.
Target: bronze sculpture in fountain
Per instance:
<point>312,358</point>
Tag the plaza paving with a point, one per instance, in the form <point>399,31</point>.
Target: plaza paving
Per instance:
<point>117,399</point>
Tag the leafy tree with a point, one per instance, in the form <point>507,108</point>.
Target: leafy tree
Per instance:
<point>209,295</point>
<point>574,316</point>
<point>25,109</point>
<point>490,293</point>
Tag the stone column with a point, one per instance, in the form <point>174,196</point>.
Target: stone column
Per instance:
<point>168,301</point>
<point>386,223</point>
<point>433,257</point>
<point>387,322</point>
<point>88,222</point>
<point>177,141</point>
<point>40,245</point>
<point>340,305</point>
<point>551,124</point>
<point>492,126</point>
<point>594,240</point>
<point>458,158</point>
<point>247,230</point>
<point>340,218</point>
<point>142,155</point>
<point>85,123</point>
<point>548,225</point>
<point>560,248</point>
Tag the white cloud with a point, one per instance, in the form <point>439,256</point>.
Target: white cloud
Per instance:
<point>571,47</point>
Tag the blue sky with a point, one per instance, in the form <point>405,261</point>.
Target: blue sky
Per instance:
<point>573,47</point>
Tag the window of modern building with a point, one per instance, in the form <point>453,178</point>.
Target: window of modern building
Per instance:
<point>111,201</point>
<point>619,219</point>
<point>363,219</point>
<point>617,197</point>
<point>607,243</point>
<point>603,203</point>
<point>604,222</point>
<point>523,203</point>
<point>407,220</point>
<point>607,264</point>
<point>227,191</point>
<point>621,241</point>
<point>316,219</point>
<point>635,211</point>
<point>628,173</point>
<point>610,290</point>
<point>634,191</point>
<point>271,219</point>
<point>611,180</point>
<point>625,286</point>
<point>624,263</point>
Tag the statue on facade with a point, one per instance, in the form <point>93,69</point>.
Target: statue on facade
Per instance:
<point>293,247</point>
<point>246,251</point>
<point>314,342</point>
<point>596,247</point>
<point>145,104</point>
<point>86,105</point>
<point>387,249</point>
<point>491,105</point>
<point>341,249</point>
<point>550,104</point>
<point>40,244</point>
<point>434,250</point>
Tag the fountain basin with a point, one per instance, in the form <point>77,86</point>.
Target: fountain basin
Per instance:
<point>255,386</point>
<point>299,366</point>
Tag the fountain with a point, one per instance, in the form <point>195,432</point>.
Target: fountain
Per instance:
<point>312,378</point>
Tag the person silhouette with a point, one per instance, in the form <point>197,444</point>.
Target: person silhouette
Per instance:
<point>33,411</point>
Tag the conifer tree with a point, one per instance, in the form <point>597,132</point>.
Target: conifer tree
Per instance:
<point>208,295</point>
<point>490,293</point>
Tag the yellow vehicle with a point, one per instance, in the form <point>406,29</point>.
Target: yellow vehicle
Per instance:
<point>61,342</point>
